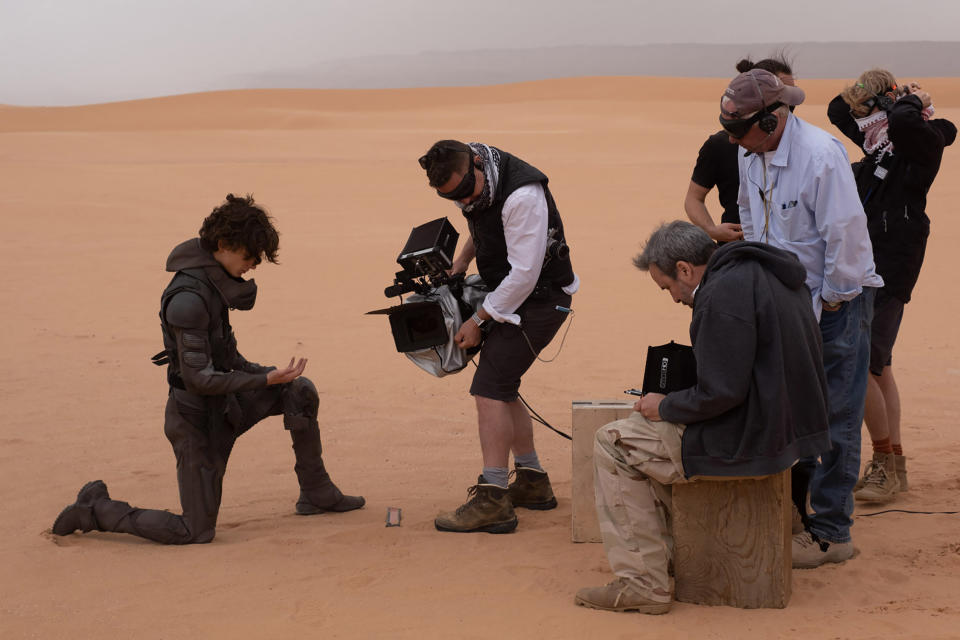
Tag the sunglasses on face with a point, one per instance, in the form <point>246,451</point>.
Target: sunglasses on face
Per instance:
<point>464,189</point>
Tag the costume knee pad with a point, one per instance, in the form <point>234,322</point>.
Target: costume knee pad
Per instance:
<point>300,398</point>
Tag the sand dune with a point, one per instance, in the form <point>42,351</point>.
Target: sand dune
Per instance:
<point>93,198</point>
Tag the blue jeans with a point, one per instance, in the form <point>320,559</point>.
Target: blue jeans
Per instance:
<point>846,358</point>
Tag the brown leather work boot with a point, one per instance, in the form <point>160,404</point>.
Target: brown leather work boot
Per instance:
<point>619,595</point>
<point>488,510</point>
<point>79,515</point>
<point>532,490</point>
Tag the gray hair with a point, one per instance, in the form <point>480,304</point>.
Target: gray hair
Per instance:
<point>673,241</point>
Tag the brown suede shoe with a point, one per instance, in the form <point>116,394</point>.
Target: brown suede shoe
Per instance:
<point>488,510</point>
<point>902,472</point>
<point>79,515</point>
<point>619,595</point>
<point>532,490</point>
<point>880,482</point>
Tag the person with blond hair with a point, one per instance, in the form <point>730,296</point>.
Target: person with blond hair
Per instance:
<point>903,147</point>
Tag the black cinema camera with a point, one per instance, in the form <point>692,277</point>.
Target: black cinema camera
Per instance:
<point>425,258</point>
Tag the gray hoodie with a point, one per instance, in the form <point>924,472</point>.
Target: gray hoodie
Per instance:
<point>760,401</point>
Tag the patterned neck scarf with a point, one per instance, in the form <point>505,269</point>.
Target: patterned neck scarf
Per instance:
<point>490,158</point>
<point>874,129</point>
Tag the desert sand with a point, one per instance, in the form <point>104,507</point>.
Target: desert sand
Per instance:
<point>93,198</point>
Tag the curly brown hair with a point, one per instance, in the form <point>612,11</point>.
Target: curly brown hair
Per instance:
<point>238,223</point>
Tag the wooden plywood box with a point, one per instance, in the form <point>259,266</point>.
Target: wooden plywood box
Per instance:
<point>732,541</point>
<point>588,416</point>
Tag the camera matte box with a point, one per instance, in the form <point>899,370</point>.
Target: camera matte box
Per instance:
<point>418,325</point>
<point>430,248</point>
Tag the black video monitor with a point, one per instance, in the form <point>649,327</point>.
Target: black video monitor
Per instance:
<point>430,248</point>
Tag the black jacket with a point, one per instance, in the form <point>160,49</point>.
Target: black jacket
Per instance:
<point>200,347</point>
<point>760,401</point>
<point>896,206</point>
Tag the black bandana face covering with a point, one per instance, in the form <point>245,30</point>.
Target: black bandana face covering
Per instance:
<point>465,188</point>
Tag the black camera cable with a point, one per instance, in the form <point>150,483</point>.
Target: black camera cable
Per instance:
<point>536,417</point>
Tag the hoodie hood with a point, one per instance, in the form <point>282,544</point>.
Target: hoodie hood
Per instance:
<point>237,293</point>
<point>782,264</point>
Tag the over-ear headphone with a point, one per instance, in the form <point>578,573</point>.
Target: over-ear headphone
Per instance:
<point>768,122</point>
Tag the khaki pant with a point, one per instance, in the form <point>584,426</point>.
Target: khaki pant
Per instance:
<point>635,461</point>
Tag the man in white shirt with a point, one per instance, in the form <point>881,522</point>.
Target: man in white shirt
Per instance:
<point>797,193</point>
<point>517,239</point>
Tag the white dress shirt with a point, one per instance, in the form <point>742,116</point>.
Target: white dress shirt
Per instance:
<point>802,197</point>
<point>525,220</point>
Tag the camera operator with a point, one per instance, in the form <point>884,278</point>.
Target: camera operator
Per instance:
<point>903,148</point>
<point>516,237</point>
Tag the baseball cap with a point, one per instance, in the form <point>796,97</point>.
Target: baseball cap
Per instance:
<point>755,89</point>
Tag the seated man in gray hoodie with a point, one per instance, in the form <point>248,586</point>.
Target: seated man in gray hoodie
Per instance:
<point>215,394</point>
<point>759,403</point>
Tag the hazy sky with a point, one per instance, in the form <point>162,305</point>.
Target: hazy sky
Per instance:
<point>70,51</point>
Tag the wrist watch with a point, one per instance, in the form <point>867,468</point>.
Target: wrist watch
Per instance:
<point>477,320</point>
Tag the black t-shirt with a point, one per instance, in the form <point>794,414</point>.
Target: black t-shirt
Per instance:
<point>717,167</point>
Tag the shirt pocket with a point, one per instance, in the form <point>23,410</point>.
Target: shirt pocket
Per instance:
<point>796,224</point>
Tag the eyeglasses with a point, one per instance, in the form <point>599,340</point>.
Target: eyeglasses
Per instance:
<point>464,189</point>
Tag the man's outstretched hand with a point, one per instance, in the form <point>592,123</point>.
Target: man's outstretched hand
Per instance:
<point>288,374</point>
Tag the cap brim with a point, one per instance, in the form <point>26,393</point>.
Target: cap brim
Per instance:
<point>792,95</point>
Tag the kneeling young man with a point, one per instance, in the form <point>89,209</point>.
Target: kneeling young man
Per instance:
<point>215,394</point>
<point>759,403</point>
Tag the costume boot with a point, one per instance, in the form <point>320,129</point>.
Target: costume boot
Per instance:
<point>879,479</point>
<point>902,472</point>
<point>318,493</point>
<point>532,490</point>
<point>79,515</point>
<point>489,510</point>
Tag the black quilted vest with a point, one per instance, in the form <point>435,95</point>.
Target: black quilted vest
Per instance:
<point>486,227</point>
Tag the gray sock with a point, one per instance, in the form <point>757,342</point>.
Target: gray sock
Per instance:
<point>528,460</point>
<point>496,475</point>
